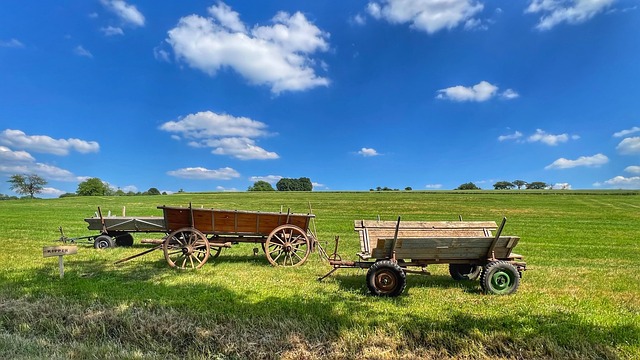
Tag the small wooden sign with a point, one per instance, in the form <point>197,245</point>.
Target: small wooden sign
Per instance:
<point>59,251</point>
<point>49,251</point>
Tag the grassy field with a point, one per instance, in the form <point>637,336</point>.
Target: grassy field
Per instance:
<point>580,300</point>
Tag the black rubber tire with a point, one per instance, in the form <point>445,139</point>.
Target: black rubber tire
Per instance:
<point>500,278</point>
<point>464,271</point>
<point>103,242</point>
<point>386,278</point>
<point>122,238</point>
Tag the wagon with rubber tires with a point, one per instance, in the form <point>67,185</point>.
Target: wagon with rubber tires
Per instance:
<point>392,249</point>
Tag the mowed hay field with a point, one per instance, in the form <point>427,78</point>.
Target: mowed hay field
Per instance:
<point>580,299</point>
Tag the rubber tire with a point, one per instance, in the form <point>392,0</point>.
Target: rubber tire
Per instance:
<point>103,242</point>
<point>464,271</point>
<point>122,238</point>
<point>386,271</point>
<point>499,278</point>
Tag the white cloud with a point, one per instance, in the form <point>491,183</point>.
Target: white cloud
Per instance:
<point>277,56</point>
<point>161,54</point>
<point>52,191</point>
<point>45,144</point>
<point>622,182</point>
<point>554,12</point>
<point>561,186</point>
<point>516,135</point>
<point>207,124</point>
<point>111,31</point>
<point>9,156</point>
<point>11,43</point>
<point>44,170</point>
<point>129,14</point>
<point>358,19</point>
<point>430,16</point>
<point>624,133</point>
<point>200,173</point>
<point>241,148</point>
<point>366,152</point>
<point>549,139</point>
<point>633,169</point>
<point>318,186</point>
<point>433,186</point>
<point>588,161</point>
<point>480,92</point>
<point>226,134</point>
<point>510,94</point>
<point>629,146</point>
<point>271,179</point>
<point>81,51</point>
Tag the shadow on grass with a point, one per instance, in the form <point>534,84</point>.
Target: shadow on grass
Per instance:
<point>357,282</point>
<point>141,307</point>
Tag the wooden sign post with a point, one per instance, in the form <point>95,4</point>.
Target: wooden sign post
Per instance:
<point>59,251</point>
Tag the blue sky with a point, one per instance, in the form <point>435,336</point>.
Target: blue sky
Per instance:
<point>212,96</point>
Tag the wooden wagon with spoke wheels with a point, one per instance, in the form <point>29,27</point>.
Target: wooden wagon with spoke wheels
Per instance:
<point>468,247</point>
<point>197,234</point>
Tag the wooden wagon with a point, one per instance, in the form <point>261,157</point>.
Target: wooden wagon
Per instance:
<point>285,237</point>
<point>194,235</point>
<point>390,248</point>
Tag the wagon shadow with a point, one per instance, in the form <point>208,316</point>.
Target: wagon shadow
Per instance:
<point>356,282</point>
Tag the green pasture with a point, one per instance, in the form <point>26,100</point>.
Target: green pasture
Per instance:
<point>579,300</point>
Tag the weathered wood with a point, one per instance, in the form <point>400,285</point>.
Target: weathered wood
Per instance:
<point>229,222</point>
<point>426,224</point>
<point>445,248</point>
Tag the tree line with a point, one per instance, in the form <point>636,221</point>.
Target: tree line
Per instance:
<point>508,185</point>
<point>284,184</point>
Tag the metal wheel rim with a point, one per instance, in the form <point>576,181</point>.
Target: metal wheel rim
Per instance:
<point>287,246</point>
<point>386,281</point>
<point>186,249</point>
<point>501,281</point>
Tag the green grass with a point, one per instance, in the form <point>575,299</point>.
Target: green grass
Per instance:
<point>580,300</point>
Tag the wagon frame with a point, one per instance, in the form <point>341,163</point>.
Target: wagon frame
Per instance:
<point>468,247</point>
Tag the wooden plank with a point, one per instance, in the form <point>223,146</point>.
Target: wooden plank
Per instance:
<point>358,224</point>
<point>445,248</point>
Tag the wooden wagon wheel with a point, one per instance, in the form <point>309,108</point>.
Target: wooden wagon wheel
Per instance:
<point>287,245</point>
<point>186,248</point>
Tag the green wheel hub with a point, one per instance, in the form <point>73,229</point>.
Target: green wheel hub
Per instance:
<point>501,281</point>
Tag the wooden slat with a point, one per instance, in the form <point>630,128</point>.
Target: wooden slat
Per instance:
<point>359,224</point>
<point>445,248</point>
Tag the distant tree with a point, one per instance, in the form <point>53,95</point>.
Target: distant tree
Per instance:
<point>153,191</point>
<point>408,188</point>
<point>537,185</point>
<point>120,192</point>
<point>503,185</point>
<point>378,188</point>
<point>301,184</point>
<point>27,184</point>
<point>7,197</point>
<point>468,186</point>
<point>65,195</point>
<point>93,187</point>
<point>180,191</point>
<point>164,193</point>
<point>519,183</point>
<point>261,186</point>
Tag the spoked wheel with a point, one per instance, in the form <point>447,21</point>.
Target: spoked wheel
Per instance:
<point>464,271</point>
<point>386,278</point>
<point>499,277</point>
<point>186,248</point>
<point>287,245</point>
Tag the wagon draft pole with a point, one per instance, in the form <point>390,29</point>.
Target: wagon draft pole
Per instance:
<point>389,249</point>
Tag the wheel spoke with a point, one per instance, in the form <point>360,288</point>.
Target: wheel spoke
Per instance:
<point>191,260</point>
<point>277,257</point>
